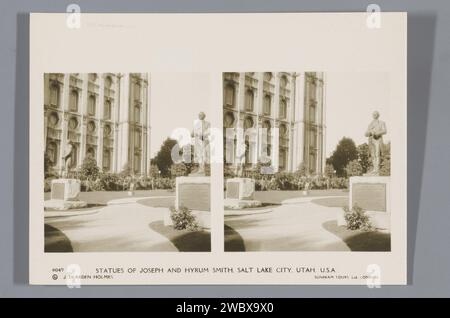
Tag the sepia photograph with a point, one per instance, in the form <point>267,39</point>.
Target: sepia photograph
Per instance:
<point>126,162</point>
<point>186,161</point>
<point>306,161</point>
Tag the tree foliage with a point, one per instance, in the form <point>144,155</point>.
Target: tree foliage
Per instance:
<point>329,170</point>
<point>385,165</point>
<point>89,169</point>
<point>364,157</point>
<point>178,170</point>
<point>163,159</point>
<point>354,168</point>
<point>345,152</point>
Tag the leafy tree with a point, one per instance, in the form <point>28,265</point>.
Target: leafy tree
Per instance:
<point>364,157</point>
<point>302,170</point>
<point>385,165</point>
<point>154,171</point>
<point>354,168</point>
<point>345,152</point>
<point>89,169</point>
<point>178,170</point>
<point>329,170</point>
<point>163,159</point>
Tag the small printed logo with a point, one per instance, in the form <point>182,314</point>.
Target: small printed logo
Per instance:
<point>373,20</point>
<point>73,19</point>
<point>374,276</point>
<point>73,272</point>
<point>54,277</point>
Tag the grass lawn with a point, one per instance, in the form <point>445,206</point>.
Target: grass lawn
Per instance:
<point>233,240</point>
<point>276,197</point>
<point>159,202</point>
<point>332,202</point>
<point>360,241</point>
<point>184,240</point>
<point>56,241</point>
<point>102,197</point>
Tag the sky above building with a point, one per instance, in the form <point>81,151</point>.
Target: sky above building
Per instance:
<point>176,100</point>
<point>351,98</point>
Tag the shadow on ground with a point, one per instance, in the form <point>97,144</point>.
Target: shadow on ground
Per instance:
<point>233,240</point>
<point>158,202</point>
<point>338,202</point>
<point>184,240</point>
<point>56,241</point>
<point>360,241</point>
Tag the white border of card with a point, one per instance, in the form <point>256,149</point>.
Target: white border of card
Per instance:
<point>213,44</point>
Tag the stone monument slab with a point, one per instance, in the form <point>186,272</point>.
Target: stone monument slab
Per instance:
<point>240,194</point>
<point>372,193</point>
<point>64,195</point>
<point>194,193</point>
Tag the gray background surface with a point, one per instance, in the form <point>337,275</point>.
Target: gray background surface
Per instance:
<point>428,147</point>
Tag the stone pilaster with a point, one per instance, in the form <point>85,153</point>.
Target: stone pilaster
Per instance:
<point>64,119</point>
<point>299,139</point>
<point>124,125</point>
<point>100,123</point>
<point>84,97</point>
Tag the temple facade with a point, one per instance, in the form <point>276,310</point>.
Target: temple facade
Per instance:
<point>105,116</point>
<point>292,102</point>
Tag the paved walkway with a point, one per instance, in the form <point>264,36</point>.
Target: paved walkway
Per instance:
<point>294,226</point>
<point>122,226</point>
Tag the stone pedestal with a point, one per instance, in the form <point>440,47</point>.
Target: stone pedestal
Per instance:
<point>240,194</point>
<point>64,195</point>
<point>372,193</point>
<point>194,193</point>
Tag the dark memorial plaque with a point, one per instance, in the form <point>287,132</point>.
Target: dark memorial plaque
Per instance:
<point>233,190</point>
<point>194,196</point>
<point>369,196</point>
<point>58,191</point>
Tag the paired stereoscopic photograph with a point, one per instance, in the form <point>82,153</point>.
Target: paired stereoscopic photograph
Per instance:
<point>306,161</point>
<point>127,161</point>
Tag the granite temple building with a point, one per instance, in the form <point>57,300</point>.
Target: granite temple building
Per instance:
<point>292,102</point>
<point>105,116</point>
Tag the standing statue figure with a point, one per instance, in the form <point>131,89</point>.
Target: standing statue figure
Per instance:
<point>241,150</point>
<point>375,132</point>
<point>67,157</point>
<point>200,136</point>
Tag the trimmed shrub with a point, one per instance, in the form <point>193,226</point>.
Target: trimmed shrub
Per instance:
<point>183,219</point>
<point>357,219</point>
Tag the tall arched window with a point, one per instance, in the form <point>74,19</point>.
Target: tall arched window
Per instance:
<point>229,95</point>
<point>91,105</point>
<point>74,156</point>
<point>107,109</point>
<point>73,101</point>
<point>90,153</point>
<point>284,81</point>
<point>249,96</point>
<point>106,160</point>
<point>52,153</point>
<point>137,91</point>
<point>267,105</point>
<point>137,163</point>
<point>54,95</point>
<point>283,109</point>
<point>248,123</point>
<point>282,159</point>
<point>108,82</point>
<point>268,76</point>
